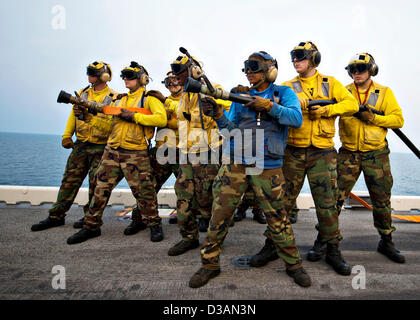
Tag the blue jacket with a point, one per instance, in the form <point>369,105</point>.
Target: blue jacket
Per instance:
<point>261,144</point>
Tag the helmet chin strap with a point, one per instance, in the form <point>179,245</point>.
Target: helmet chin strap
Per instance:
<point>255,86</point>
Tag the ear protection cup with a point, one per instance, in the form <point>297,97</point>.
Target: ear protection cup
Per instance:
<point>316,58</point>
<point>272,71</point>
<point>144,79</point>
<point>107,74</point>
<point>196,71</point>
<point>374,69</point>
<point>271,74</point>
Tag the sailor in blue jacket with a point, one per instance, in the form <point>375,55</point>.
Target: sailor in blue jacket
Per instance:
<point>255,138</point>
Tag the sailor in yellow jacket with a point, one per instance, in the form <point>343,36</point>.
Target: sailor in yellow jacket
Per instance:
<point>127,156</point>
<point>365,149</point>
<point>165,154</point>
<point>199,143</point>
<point>310,150</point>
<point>86,151</point>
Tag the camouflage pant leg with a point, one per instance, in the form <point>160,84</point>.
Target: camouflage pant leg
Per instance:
<point>162,172</point>
<point>270,188</point>
<point>95,153</point>
<point>322,177</point>
<point>184,190</point>
<point>348,172</point>
<point>136,168</point>
<point>228,188</point>
<point>108,175</point>
<point>84,158</point>
<point>294,170</point>
<point>248,200</point>
<point>193,189</point>
<point>204,175</point>
<point>377,172</point>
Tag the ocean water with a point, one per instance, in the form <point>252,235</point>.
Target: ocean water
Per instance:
<point>39,160</point>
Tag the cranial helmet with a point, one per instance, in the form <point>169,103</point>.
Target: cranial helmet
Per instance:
<point>101,70</point>
<point>361,63</point>
<point>269,66</point>
<point>183,63</point>
<point>306,50</point>
<point>136,71</point>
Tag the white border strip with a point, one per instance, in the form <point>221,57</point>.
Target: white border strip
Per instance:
<point>39,195</point>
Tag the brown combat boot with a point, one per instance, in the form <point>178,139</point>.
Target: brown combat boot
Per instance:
<point>300,276</point>
<point>202,276</point>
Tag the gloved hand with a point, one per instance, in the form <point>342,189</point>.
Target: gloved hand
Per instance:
<point>239,89</point>
<point>367,116</point>
<point>78,110</point>
<point>157,94</point>
<point>172,120</point>
<point>260,104</point>
<point>211,108</point>
<point>304,103</point>
<point>317,112</point>
<point>67,143</point>
<point>126,115</point>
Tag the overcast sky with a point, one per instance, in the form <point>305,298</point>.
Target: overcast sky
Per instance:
<point>46,46</point>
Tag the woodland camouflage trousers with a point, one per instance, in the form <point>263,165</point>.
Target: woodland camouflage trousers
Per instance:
<point>134,166</point>
<point>84,159</point>
<point>269,187</point>
<point>377,173</point>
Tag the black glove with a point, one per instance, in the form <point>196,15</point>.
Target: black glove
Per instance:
<point>126,115</point>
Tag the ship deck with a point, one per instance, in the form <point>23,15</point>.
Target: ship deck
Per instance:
<point>115,266</point>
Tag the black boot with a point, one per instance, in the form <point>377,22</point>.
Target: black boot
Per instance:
<point>387,248</point>
<point>240,213</point>
<point>183,246</point>
<point>203,224</point>
<point>202,276</point>
<point>173,220</point>
<point>318,250</point>
<point>336,260</point>
<point>79,223</point>
<point>47,223</point>
<point>267,253</point>
<point>259,216</point>
<point>134,227</point>
<point>83,235</point>
<point>300,276</point>
<point>156,233</point>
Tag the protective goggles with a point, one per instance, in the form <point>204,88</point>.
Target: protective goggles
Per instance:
<point>300,54</point>
<point>358,67</point>
<point>95,69</point>
<point>170,81</point>
<point>178,68</point>
<point>130,74</point>
<point>254,66</point>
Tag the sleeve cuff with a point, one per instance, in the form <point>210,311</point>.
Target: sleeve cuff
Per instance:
<point>222,122</point>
